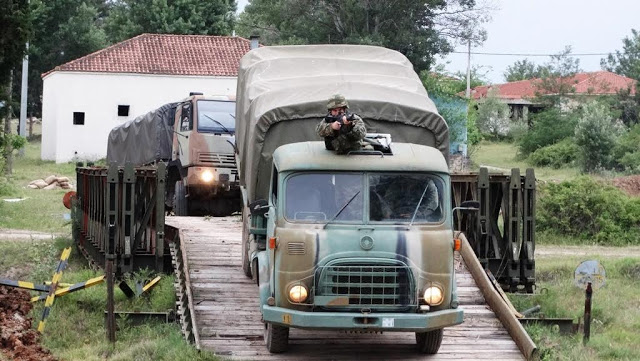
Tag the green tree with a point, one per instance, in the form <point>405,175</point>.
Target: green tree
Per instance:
<point>418,29</point>
<point>596,134</point>
<point>129,18</point>
<point>627,61</point>
<point>15,30</point>
<point>523,70</point>
<point>493,115</point>
<point>557,79</point>
<point>548,127</point>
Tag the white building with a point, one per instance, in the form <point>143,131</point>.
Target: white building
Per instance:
<point>85,98</point>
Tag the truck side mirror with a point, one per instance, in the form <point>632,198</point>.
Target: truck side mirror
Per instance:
<point>259,207</point>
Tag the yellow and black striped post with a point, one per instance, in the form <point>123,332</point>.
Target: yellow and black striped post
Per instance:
<point>23,284</point>
<point>72,288</point>
<point>54,284</point>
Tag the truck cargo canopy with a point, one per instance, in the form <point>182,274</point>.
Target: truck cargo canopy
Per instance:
<point>143,140</point>
<point>283,91</point>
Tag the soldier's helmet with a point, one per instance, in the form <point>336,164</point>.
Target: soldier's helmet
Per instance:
<point>337,101</point>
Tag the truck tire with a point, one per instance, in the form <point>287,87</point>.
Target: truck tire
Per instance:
<point>276,337</point>
<point>429,342</point>
<point>246,262</point>
<point>180,201</point>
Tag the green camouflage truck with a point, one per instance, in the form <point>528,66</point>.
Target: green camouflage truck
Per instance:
<point>357,242</point>
<point>195,138</point>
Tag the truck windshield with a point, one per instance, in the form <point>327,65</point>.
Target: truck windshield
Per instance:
<point>216,116</point>
<point>398,198</point>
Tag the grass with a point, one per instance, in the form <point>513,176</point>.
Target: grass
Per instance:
<point>505,155</point>
<point>615,327</point>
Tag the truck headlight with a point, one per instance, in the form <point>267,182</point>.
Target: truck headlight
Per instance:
<point>206,176</point>
<point>433,296</point>
<point>298,294</point>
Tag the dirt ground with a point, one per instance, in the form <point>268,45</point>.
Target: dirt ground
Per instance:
<point>629,184</point>
<point>548,251</point>
<point>18,341</point>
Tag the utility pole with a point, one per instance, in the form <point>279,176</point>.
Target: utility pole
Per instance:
<point>468,93</point>
<point>23,98</point>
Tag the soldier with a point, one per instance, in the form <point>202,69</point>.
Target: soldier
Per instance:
<point>341,131</point>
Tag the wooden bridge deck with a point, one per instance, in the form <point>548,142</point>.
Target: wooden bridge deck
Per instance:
<point>227,316</point>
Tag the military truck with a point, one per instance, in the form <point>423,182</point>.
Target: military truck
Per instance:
<point>344,242</point>
<point>195,138</point>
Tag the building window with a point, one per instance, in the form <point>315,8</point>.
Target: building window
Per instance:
<point>123,110</point>
<point>78,118</point>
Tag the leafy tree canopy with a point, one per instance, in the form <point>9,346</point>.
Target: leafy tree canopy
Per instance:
<point>418,29</point>
<point>557,80</point>
<point>523,70</point>
<point>627,61</point>
<point>15,26</point>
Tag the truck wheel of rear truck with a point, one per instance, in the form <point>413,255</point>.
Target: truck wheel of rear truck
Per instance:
<point>276,337</point>
<point>429,342</point>
<point>246,262</point>
<point>180,202</point>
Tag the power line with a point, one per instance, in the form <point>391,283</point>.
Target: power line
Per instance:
<point>523,54</point>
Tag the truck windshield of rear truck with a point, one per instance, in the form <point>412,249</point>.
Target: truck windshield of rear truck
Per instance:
<point>368,197</point>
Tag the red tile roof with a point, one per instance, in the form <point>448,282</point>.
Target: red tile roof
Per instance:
<point>166,54</point>
<point>596,83</point>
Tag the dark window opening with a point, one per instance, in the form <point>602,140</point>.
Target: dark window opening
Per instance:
<point>78,118</point>
<point>123,110</point>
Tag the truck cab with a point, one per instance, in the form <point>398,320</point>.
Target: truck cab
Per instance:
<point>202,170</point>
<point>360,242</point>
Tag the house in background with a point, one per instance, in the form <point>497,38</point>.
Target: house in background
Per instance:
<point>85,98</point>
<point>520,95</point>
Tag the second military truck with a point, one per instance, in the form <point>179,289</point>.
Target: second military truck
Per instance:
<point>356,242</point>
<point>195,138</point>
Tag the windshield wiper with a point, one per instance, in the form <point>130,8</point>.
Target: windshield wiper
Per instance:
<point>222,125</point>
<point>419,203</point>
<point>341,209</point>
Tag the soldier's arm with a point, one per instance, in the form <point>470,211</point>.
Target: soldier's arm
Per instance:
<point>358,130</point>
<point>324,129</point>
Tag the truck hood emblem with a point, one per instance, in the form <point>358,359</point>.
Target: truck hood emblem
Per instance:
<point>366,243</point>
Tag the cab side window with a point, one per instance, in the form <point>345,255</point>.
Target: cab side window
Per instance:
<point>186,119</point>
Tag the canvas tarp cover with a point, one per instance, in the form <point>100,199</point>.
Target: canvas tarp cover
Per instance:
<point>283,91</point>
<point>143,140</point>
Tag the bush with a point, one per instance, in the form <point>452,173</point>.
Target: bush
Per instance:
<point>493,116</point>
<point>596,135</point>
<point>556,156</point>
<point>548,127</point>
<point>591,211</point>
<point>626,153</point>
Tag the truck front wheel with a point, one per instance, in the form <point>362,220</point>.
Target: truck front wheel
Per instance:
<point>276,337</point>
<point>429,342</point>
<point>180,201</point>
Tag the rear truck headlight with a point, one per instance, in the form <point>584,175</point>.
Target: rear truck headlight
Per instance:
<point>298,294</point>
<point>206,176</point>
<point>433,296</point>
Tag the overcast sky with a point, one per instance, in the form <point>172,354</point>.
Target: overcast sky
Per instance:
<point>546,27</point>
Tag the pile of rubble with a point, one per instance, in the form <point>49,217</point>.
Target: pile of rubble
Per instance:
<point>51,182</point>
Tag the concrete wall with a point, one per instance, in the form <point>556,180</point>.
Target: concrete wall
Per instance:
<point>98,96</point>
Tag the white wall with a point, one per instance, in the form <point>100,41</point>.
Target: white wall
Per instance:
<point>98,96</point>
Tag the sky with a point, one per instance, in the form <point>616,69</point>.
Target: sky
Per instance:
<point>546,27</point>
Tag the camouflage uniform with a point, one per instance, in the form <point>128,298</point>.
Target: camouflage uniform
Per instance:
<point>349,136</point>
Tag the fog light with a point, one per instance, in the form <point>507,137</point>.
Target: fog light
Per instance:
<point>433,296</point>
<point>206,176</point>
<point>298,294</point>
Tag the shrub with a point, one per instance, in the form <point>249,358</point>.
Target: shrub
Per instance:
<point>493,116</point>
<point>548,127</point>
<point>626,153</point>
<point>556,155</point>
<point>596,135</point>
<point>590,210</point>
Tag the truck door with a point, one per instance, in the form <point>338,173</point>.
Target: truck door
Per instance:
<point>183,129</point>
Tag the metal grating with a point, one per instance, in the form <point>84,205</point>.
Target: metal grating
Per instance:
<point>217,159</point>
<point>375,286</point>
<point>296,248</point>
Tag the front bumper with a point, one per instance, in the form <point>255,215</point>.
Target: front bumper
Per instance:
<point>412,322</point>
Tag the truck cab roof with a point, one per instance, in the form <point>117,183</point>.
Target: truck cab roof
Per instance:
<point>312,156</point>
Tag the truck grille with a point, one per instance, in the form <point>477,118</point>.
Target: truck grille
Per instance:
<point>377,286</point>
<point>217,159</point>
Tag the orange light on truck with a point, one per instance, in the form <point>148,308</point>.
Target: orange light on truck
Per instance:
<point>456,244</point>
<point>272,243</point>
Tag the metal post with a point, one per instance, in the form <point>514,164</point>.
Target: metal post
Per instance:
<point>159,221</point>
<point>587,314</point>
<point>23,98</point>
<point>111,318</point>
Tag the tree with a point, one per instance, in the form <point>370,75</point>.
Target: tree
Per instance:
<point>557,80</point>
<point>129,18</point>
<point>417,29</point>
<point>627,61</point>
<point>15,31</point>
<point>596,135</point>
<point>493,115</point>
<point>523,70</point>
